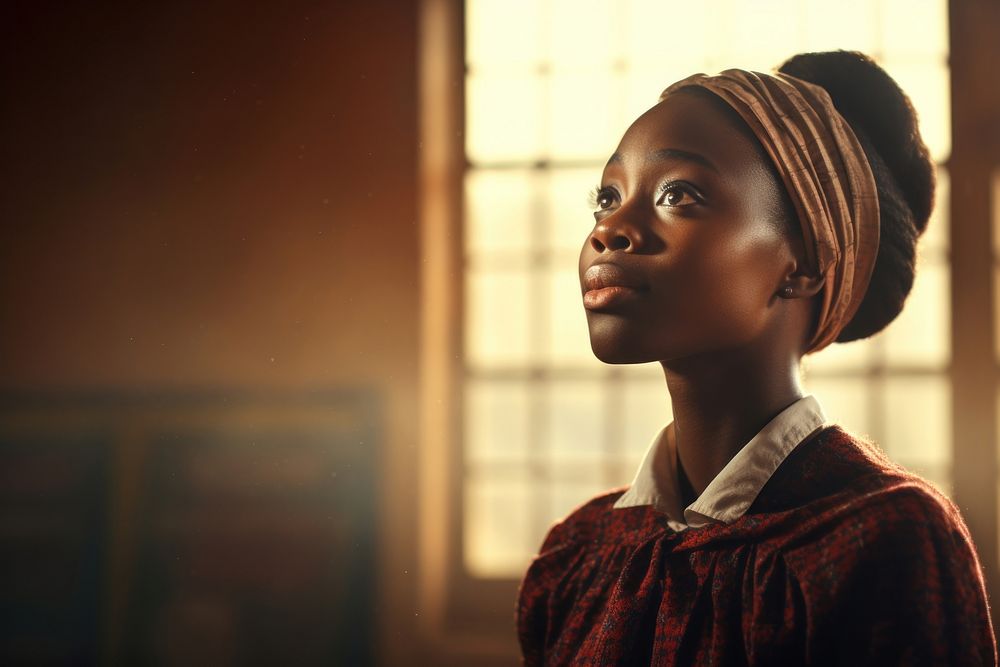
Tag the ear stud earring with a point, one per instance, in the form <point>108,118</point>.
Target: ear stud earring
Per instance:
<point>786,292</point>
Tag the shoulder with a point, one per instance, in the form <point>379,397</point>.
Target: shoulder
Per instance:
<point>887,501</point>
<point>597,524</point>
<point>894,563</point>
<point>903,510</point>
<point>883,558</point>
<point>590,534</point>
<point>852,506</point>
<point>569,557</point>
<point>874,501</point>
<point>826,465</point>
<point>893,531</point>
<point>586,521</point>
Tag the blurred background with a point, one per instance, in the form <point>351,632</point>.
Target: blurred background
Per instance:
<point>293,364</point>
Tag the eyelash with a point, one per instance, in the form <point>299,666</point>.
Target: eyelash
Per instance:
<point>595,195</point>
<point>599,192</point>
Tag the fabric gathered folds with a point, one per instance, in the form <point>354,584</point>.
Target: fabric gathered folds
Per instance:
<point>844,558</point>
<point>827,175</point>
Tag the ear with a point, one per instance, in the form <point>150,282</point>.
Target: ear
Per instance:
<point>800,282</point>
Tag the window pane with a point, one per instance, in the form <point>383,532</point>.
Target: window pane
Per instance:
<point>499,536</point>
<point>582,33</point>
<point>914,29</point>
<point>840,357</point>
<point>496,317</point>
<point>504,114</point>
<point>934,241</point>
<point>575,421</point>
<point>564,497</point>
<point>759,34</point>
<point>847,402</point>
<point>846,25</point>
<point>929,88</point>
<point>918,427</point>
<point>567,207</point>
<point>921,335</point>
<point>683,51</point>
<point>918,421</point>
<point>496,420</point>
<point>646,410</point>
<point>499,210</point>
<point>494,27</point>
<point>569,338</point>
<point>583,120</point>
<point>643,86</point>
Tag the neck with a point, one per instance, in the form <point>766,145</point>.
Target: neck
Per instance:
<point>720,401</point>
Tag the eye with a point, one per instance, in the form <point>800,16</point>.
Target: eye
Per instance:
<point>679,194</point>
<point>603,198</point>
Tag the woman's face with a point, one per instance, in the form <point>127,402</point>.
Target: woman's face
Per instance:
<point>688,252</point>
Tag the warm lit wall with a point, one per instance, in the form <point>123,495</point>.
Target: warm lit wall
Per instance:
<point>217,195</point>
<point>209,194</point>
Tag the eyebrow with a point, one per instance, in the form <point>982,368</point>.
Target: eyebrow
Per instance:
<point>672,154</point>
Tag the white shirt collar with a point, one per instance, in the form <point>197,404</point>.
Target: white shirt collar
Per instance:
<point>730,494</point>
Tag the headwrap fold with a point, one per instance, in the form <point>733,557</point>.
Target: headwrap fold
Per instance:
<point>826,173</point>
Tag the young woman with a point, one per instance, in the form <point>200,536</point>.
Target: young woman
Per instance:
<point>744,221</point>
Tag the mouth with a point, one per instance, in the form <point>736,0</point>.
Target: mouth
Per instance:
<point>608,285</point>
<point>607,296</point>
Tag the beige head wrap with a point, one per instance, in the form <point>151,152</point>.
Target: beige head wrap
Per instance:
<point>827,177</point>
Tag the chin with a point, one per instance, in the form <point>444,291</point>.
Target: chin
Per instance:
<point>619,357</point>
<point>614,341</point>
<point>615,348</point>
<point>618,340</point>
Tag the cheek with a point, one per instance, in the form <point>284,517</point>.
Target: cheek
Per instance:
<point>733,280</point>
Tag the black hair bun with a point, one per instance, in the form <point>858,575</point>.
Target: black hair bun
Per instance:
<point>885,123</point>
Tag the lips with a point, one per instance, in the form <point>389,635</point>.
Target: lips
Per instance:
<point>600,276</point>
<point>607,284</point>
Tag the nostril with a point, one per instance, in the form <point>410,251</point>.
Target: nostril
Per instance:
<point>619,242</point>
<point>621,237</point>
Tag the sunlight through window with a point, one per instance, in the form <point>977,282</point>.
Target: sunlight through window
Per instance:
<point>550,88</point>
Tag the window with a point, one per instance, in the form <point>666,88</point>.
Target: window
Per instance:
<point>926,389</point>
<point>550,86</point>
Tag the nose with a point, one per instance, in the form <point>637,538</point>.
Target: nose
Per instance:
<point>615,232</point>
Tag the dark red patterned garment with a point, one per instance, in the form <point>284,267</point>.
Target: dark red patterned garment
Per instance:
<point>844,558</point>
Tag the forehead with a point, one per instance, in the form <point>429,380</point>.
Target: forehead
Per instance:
<point>693,122</point>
